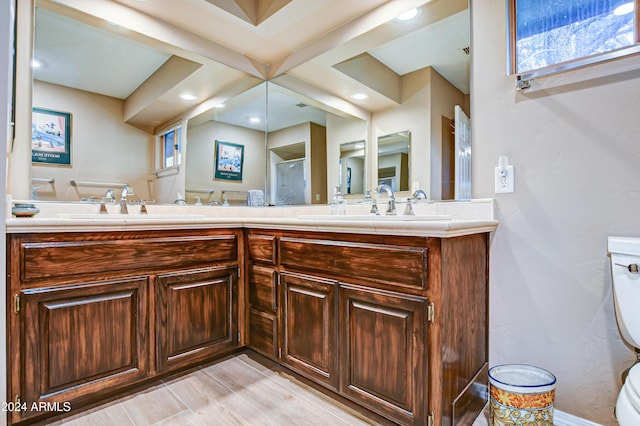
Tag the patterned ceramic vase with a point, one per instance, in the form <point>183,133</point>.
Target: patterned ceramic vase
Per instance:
<point>521,395</point>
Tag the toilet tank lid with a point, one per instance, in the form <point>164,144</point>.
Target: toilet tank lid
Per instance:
<point>624,245</point>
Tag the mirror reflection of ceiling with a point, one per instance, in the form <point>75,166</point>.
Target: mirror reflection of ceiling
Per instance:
<point>248,109</point>
<point>395,143</point>
<point>204,46</point>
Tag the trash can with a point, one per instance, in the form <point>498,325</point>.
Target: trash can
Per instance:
<point>521,394</point>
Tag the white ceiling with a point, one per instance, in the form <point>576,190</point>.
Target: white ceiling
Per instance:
<point>78,55</point>
<point>80,48</point>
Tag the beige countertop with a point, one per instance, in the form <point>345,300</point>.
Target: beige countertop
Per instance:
<point>437,219</point>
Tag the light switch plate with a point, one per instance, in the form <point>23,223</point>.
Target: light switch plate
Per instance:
<point>415,186</point>
<point>504,182</point>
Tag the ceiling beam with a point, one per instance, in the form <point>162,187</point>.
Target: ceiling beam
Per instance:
<point>165,78</point>
<point>252,11</point>
<point>343,34</point>
<point>374,74</point>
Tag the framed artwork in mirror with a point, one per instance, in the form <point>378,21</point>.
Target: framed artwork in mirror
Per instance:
<point>229,158</point>
<point>50,137</point>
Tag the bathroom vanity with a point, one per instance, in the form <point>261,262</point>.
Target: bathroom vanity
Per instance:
<point>391,316</point>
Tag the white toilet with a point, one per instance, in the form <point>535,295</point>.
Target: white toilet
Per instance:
<point>625,273</point>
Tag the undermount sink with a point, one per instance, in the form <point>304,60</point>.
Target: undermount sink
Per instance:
<point>118,216</point>
<point>376,218</point>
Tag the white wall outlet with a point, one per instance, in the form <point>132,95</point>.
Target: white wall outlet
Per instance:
<point>415,186</point>
<point>504,180</point>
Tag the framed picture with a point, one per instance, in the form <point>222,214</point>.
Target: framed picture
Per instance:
<point>228,161</point>
<point>50,137</point>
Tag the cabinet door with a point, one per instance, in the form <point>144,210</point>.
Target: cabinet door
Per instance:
<point>262,288</point>
<point>196,316</point>
<point>309,338</point>
<point>383,335</point>
<point>82,339</point>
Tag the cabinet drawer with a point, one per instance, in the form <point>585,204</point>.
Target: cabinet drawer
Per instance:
<point>49,259</point>
<point>262,288</point>
<point>262,248</point>
<point>263,333</point>
<point>398,265</point>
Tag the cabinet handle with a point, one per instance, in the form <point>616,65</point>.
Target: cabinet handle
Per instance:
<point>16,303</point>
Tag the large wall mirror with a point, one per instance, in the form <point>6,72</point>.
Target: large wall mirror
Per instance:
<point>308,127</point>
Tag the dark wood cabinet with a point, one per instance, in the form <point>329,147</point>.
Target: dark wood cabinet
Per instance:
<point>397,324</point>
<point>95,313</point>
<point>65,331</point>
<point>382,342</point>
<point>195,313</point>
<point>308,324</point>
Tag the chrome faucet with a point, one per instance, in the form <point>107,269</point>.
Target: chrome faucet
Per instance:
<point>369,199</point>
<point>108,197</point>
<point>391,208</point>
<point>418,194</point>
<point>123,199</point>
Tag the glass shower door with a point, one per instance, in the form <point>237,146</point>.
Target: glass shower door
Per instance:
<point>289,184</point>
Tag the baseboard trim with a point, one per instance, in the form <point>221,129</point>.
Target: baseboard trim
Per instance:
<point>560,418</point>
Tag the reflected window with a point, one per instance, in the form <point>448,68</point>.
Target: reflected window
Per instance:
<point>171,149</point>
<point>569,34</point>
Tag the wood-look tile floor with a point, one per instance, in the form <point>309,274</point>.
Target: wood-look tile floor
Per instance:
<point>240,390</point>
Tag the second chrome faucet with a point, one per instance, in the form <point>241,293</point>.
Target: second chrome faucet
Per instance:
<point>391,207</point>
<point>123,200</point>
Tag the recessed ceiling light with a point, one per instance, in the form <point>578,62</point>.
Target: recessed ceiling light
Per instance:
<point>254,120</point>
<point>624,9</point>
<point>188,97</point>
<point>408,15</point>
<point>359,96</point>
<point>36,63</point>
<point>219,106</point>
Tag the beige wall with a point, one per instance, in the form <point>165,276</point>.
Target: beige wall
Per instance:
<point>411,115</point>
<point>103,147</point>
<point>200,159</point>
<point>576,151</point>
<point>427,96</point>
